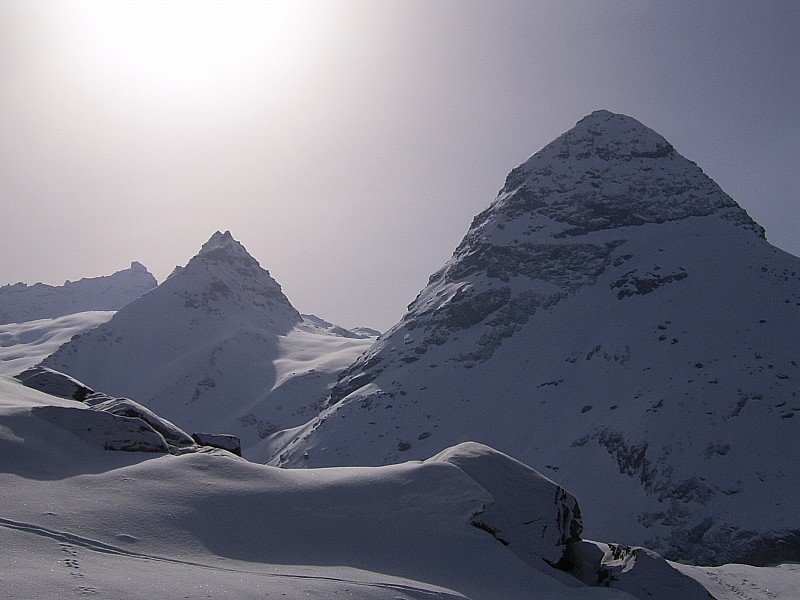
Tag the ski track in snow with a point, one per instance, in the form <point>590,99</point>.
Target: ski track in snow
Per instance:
<point>737,590</point>
<point>67,541</point>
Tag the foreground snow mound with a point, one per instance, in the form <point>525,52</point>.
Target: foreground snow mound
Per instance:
<point>217,347</point>
<point>384,533</point>
<point>21,302</point>
<point>615,320</point>
<point>196,525</point>
<point>532,515</point>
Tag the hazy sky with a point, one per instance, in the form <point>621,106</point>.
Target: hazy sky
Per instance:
<point>348,144</point>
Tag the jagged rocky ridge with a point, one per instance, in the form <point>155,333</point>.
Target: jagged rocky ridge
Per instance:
<point>215,347</point>
<point>21,302</point>
<point>613,318</point>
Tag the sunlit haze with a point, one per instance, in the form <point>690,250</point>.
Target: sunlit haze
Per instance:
<point>349,143</point>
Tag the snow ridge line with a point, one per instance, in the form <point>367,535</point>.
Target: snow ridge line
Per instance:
<point>102,547</point>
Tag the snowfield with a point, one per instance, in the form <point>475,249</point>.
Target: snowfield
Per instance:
<point>23,345</point>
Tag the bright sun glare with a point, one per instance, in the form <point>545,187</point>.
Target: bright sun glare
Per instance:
<point>180,44</point>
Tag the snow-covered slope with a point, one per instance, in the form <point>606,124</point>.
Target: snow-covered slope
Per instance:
<point>216,347</point>
<point>613,319</point>
<point>20,302</point>
<point>23,345</point>
<point>77,519</point>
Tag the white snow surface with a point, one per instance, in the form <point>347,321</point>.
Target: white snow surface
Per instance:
<point>23,345</point>
<point>614,320</point>
<point>21,302</point>
<point>216,348</point>
<point>77,521</point>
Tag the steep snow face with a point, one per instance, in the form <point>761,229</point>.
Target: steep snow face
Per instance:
<point>21,302</point>
<point>613,319</point>
<point>216,348</point>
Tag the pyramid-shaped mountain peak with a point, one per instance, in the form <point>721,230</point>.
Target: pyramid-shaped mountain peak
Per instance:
<point>609,171</point>
<point>613,319</point>
<point>223,242</point>
<point>224,277</point>
<point>608,136</point>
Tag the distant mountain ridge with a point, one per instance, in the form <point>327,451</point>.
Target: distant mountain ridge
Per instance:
<point>616,320</point>
<point>216,347</point>
<point>21,302</point>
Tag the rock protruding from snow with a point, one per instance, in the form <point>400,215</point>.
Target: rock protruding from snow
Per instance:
<point>535,517</point>
<point>104,429</point>
<point>122,425</point>
<point>20,302</point>
<point>54,383</point>
<point>355,332</point>
<point>223,441</point>
<point>638,571</point>
<point>125,407</point>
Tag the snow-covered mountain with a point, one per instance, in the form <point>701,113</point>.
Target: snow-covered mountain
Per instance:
<point>21,302</point>
<point>165,517</point>
<point>615,320</point>
<point>215,347</point>
<point>23,345</point>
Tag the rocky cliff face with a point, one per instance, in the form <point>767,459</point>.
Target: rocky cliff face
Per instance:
<point>21,302</point>
<point>617,320</point>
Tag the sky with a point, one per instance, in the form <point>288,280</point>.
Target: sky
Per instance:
<point>349,143</point>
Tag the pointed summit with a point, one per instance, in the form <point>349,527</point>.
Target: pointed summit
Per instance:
<point>613,319</point>
<point>610,171</point>
<point>223,244</point>
<point>224,278</point>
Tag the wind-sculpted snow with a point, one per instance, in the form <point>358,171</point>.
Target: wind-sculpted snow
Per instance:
<point>536,518</point>
<point>21,302</point>
<point>615,320</point>
<point>23,345</point>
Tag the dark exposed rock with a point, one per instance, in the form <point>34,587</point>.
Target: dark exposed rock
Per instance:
<point>219,440</point>
<point>54,383</point>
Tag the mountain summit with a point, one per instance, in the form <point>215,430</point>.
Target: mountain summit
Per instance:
<point>613,319</point>
<point>225,280</point>
<point>216,347</point>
